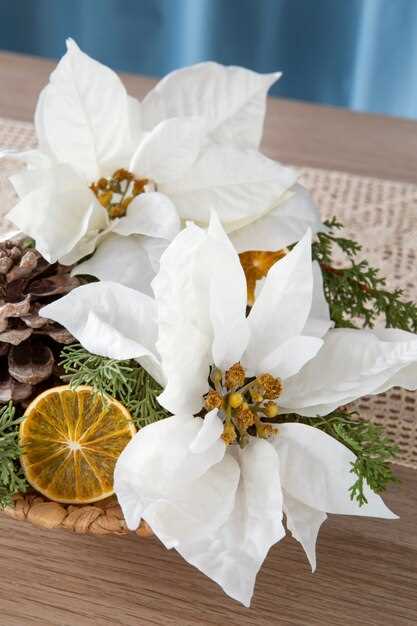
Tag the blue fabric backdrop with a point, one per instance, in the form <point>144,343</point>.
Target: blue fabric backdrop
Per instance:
<point>356,53</point>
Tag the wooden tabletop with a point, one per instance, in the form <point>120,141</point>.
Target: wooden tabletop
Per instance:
<point>295,132</point>
<point>367,569</point>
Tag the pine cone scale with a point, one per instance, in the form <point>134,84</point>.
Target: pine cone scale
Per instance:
<point>33,319</point>
<point>59,334</point>
<point>15,336</point>
<point>53,286</point>
<point>30,344</point>
<point>28,264</point>
<point>10,389</point>
<point>15,309</point>
<point>31,363</point>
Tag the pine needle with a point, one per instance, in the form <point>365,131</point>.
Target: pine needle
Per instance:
<point>357,293</point>
<point>12,479</point>
<point>124,380</point>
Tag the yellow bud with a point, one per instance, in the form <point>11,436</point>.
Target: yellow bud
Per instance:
<point>271,409</point>
<point>235,400</point>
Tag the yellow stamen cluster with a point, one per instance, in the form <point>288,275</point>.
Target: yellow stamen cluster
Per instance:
<point>256,265</point>
<point>244,418</point>
<point>212,400</point>
<point>270,387</point>
<point>234,377</point>
<point>117,192</point>
<point>244,404</point>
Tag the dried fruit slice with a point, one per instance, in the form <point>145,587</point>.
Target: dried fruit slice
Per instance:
<point>71,440</point>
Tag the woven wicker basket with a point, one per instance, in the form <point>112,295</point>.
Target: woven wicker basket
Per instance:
<point>101,518</point>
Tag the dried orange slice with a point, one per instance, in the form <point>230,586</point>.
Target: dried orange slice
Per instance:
<point>71,440</point>
<point>256,265</point>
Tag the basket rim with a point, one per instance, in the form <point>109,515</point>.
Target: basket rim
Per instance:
<point>104,517</point>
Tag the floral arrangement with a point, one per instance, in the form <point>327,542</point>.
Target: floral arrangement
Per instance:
<point>211,346</point>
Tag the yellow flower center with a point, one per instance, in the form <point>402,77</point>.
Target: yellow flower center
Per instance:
<point>117,192</point>
<point>246,405</point>
<point>256,265</point>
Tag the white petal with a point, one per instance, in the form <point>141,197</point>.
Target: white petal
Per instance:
<point>304,524</point>
<point>237,184</point>
<point>209,433</point>
<point>289,357</point>
<point>181,494</point>
<point>351,364</point>
<point>231,99</point>
<point>201,295</point>
<point>221,279</point>
<point>135,119</point>
<point>183,342</point>
<point>316,470</point>
<point>81,249</point>
<point>280,226</point>
<point>33,158</point>
<point>28,180</point>
<point>37,172</point>
<point>11,234</point>
<point>83,115</point>
<point>154,247</point>
<point>319,321</point>
<point>233,554</point>
<point>58,214</point>
<point>123,260</point>
<point>169,150</point>
<point>109,319</point>
<point>406,377</point>
<point>151,214</point>
<point>40,120</point>
<point>282,307</point>
<point>98,225</point>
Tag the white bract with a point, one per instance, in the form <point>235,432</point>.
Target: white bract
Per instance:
<point>219,505</point>
<point>194,139</point>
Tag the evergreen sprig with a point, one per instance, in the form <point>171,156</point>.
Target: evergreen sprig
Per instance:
<point>357,293</point>
<point>124,380</point>
<point>12,479</point>
<point>374,451</point>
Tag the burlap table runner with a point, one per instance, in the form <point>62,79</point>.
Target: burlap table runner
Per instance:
<point>380,214</point>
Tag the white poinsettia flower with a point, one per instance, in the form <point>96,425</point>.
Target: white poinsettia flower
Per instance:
<point>115,173</point>
<point>220,505</point>
<point>232,102</point>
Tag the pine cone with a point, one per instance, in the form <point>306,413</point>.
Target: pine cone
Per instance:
<point>29,343</point>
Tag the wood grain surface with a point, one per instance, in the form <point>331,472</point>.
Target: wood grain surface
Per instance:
<point>367,569</point>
